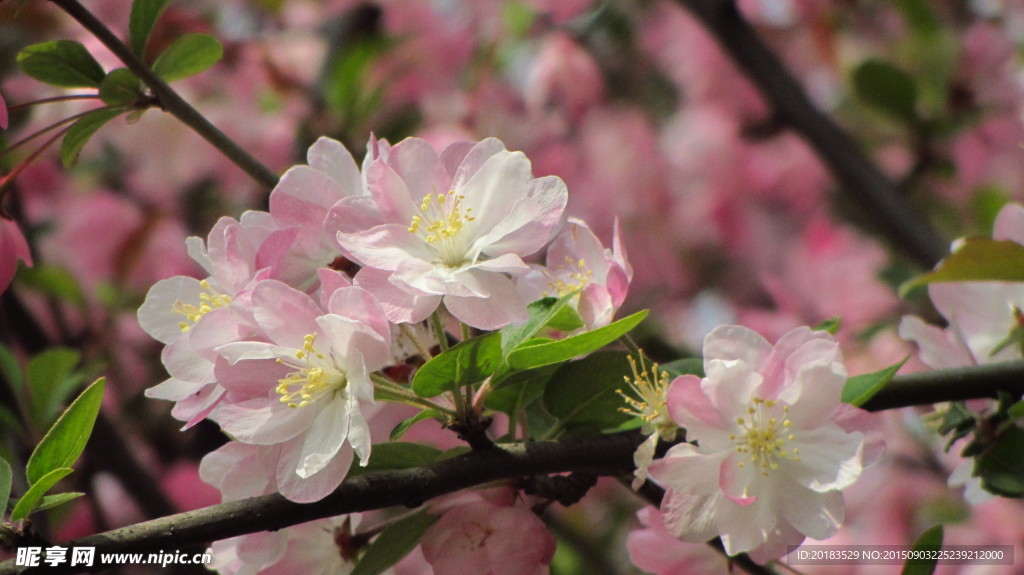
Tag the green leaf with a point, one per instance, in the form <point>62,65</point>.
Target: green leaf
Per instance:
<point>468,362</point>
<point>53,281</point>
<point>1016,411</point>
<point>685,366</point>
<point>64,63</point>
<point>831,325</point>
<point>396,455</point>
<point>930,540</point>
<point>51,501</point>
<point>394,543</point>
<point>1001,467</point>
<point>526,357</point>
<point>1015,338</point>
<point>187,56</point>
<point>539,313</point>
<point>30,501</point>
<point>82,130</point>
<point>860,388</point>
<point>886,88</point>
<point>5,485</point>
<point>405,424</point>
<point>584,392</point>
<point>977,259</point>
<point>10,370</point>
<point>66,440</point>
<point>50,382</point>
<point>567,319</point>
<point>120,88</point>
<point>145,13</point>
<point>520,389</point>
<point>920,16</point>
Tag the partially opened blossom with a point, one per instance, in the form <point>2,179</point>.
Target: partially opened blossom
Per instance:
<point>771,445</point>
<point>301,200</point>
<point>576,261</point>
<point>487,532</point>
<point>13,247</point>
<point>304,390</point>
<point>451,227</point>
<point>657,551</point>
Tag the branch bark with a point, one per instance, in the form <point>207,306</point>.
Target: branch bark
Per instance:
<point>602,455</point>
<point>857,174</point>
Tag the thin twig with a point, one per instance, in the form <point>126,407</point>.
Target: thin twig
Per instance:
<point>169,100</point>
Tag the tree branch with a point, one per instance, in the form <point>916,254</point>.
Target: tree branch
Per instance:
<point>857,174</point>
<point>601,455</point>
<point>168,98</point>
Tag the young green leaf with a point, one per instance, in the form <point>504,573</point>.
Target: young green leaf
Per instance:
<point>50,382</point>
<point>66,440</point>
<point>526,357</point>
<point>886,88</point>
<point>394,543</point>
<point>30,501</point>
<point>585,392</point>
<point>53,281</point>
<point>120,88</point>
<point>539,313</point>
<point>10,370</point>
<point>685,366</point>
<point>51,501</point>
<point>860,388</point>
<point>395,455</point>
<point>144,15</point>
<point>5,485</point>
<point>405,424</point>
<point>977,259</point>
<point>64,63</point>
<point>831,325</point>
<point>468,362</point>
<point>1001,467</point>
<point>520,389</point>
<point>82,130</point>
<point>930,540</point>
<point>187,56</point>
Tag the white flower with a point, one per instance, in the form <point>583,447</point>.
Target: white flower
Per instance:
<point>771,444</point>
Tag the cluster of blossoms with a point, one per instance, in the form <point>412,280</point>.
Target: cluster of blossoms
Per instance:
<point>282,345</point>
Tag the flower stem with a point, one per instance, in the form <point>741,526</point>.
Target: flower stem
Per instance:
<point>439,331</point>
<point>168,99</point>
<point>393,391</point>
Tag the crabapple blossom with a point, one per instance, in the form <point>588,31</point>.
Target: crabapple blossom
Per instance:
<point>301,200</point>
<point>3,113</point>
<point>450,228</point>
<point>772,448</point>
<point>657,551</point>
<point>576,260</point>
<point>487,532</point>
<point>305,390</point>
<point>13,247</point>
<point>193,317</point>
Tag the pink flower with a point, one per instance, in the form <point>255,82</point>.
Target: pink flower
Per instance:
<point>449,228</point>
<point>301,200</point>
<point>13,247</point>
<point>576,260</point>
<point>306,389</point>
<point>488,534</point>
<point>774,444</point>
<point>657,551</point>
<point>564,73</point>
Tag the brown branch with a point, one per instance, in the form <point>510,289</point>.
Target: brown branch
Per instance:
<point>857,174</point>
<point>601,455</point>
<point>168,99</point>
